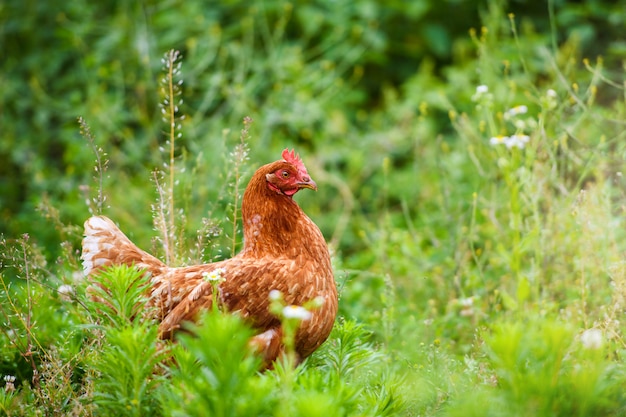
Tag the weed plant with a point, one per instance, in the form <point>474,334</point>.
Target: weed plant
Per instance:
<point>477,235</point>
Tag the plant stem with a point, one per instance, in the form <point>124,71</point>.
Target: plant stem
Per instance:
<point>172,56</point>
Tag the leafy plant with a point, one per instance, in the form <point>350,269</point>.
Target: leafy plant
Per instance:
<point>215,372</point>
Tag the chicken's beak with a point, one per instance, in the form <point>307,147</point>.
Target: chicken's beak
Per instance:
<point>307,182</point>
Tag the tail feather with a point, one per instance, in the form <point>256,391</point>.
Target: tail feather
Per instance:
<point>105,244</point>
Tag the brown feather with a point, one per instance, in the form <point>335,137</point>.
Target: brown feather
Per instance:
<point>283,250</point>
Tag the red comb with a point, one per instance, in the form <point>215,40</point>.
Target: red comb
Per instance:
<point>294,159</point>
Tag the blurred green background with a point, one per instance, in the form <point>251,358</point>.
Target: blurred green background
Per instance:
<point>316,75</point>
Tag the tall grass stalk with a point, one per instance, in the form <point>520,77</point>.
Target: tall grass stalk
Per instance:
<point>100,168</point>
<point>165,212</point>
<point>172,66</point>
<point>238,158</point>
<point>21,257</point>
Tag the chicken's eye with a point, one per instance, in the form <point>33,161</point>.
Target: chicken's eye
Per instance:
<point>285,174</point>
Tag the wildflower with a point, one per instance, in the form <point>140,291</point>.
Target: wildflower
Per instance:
<point>66,289</point>
<point>592,339</point>
<point>498,140</point>
<point>467,306</point>
<point>517,140</point>
<point>514,141</point>
<point>482,92</point>
<point>9,383</point>
<point>65,292</point>
<point>466,302</point>
<point>275,295</point>
<point>549,101</point>
<point>296,312</point>
<point>516,111</point>
<point>215,275</point>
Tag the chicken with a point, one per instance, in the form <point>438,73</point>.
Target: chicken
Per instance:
<point>283,250</point>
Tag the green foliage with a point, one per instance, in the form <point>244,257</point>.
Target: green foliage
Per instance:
<point>124,365</point>
<point>470,167</point>
<point>125,371</point>
<point>118,296</point>
<point>347,351</point>
<point>541,369</point>
<point>216,372</point>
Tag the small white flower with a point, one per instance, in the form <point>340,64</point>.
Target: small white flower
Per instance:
<point>467,306</point>
<point>498,140</point>
<point>215,275</point>
<point>592,339</point>
<point>296,312</point>
<point>275,295</point>
<point>522,138</point>
<point>466,302</point>
<point>481,94</point>
<point>517,141</point>
<point>550,100</point>
<point>516,111</point>
<point>9,385</point>
<point>66,290</point>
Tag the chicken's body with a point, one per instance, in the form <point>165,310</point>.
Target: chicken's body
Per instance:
<point>283,250</point>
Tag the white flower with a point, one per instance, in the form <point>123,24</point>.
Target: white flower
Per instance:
<point>522,138</point>
<point>467,306</point>
<point>9,385</point>
<point>215,275</point>
<point>516,111</point>
<point>275,295</point>
<point>517,140</point>
<point>498,140</point>
<point>514,141</point>
<point>66,290</point>
<point>296,312</point>
<point>466,302</point>
<point>482,94</point>
<point>592,339</point>
<point>550,100</point>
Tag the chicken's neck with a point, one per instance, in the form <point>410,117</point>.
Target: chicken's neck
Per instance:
<point>273,224</point>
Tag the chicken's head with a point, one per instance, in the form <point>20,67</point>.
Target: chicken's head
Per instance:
<point>290,176</point>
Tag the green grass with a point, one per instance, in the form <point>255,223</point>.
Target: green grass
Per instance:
<point>478,275</point>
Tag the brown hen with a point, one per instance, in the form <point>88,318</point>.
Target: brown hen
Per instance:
<point>283,250</point>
